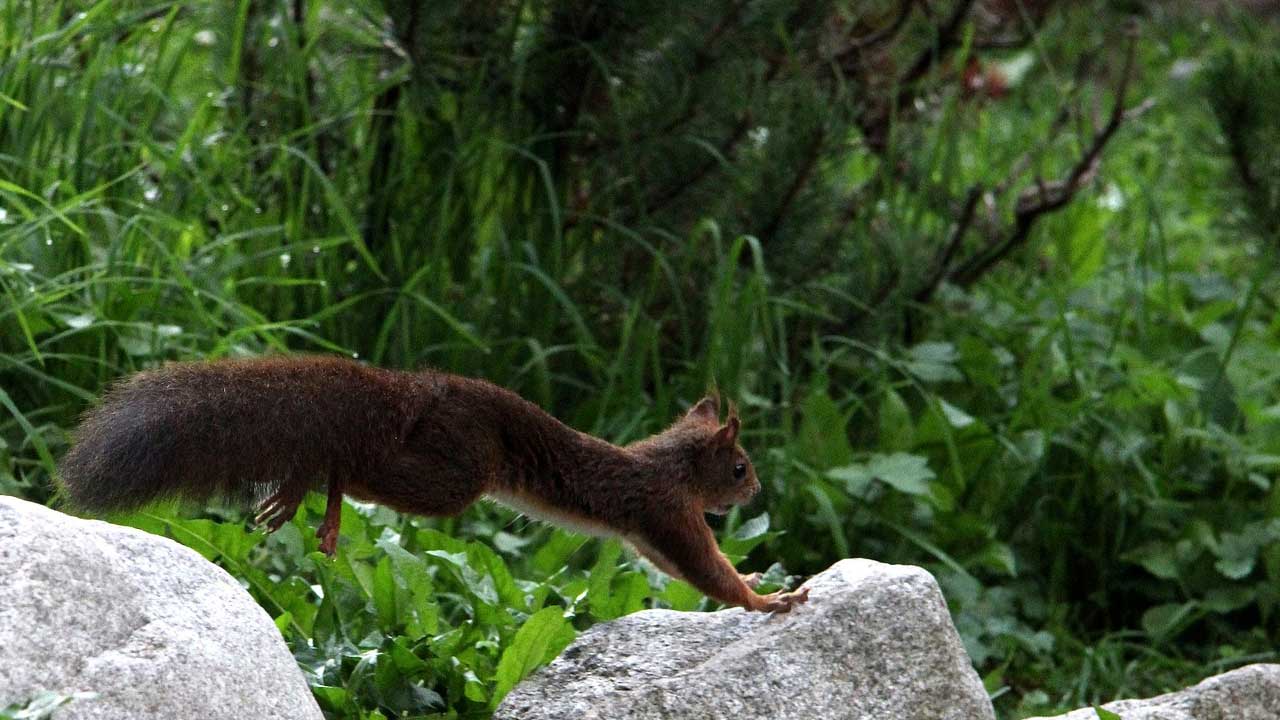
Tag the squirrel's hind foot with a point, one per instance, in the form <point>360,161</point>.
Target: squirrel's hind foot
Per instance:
<point>278,509</point>
<point>328,530</point>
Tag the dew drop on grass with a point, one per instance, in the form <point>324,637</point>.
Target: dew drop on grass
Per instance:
<point>257,211</point>
<point>4,215</point>
<point>273,42</point>
<point>151,194</point>
<point>48,241</point>
<point>315,249</point>
<point>205,38</point>
<point>225,207</point>
<point>355,356</point>
<point>284,259</point>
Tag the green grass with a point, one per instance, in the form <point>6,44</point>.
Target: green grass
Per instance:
<point>1083,447</point>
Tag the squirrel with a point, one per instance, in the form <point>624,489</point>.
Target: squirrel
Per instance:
<point>427,442</point>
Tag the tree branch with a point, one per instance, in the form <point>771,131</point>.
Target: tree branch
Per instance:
<point>1045,198</point>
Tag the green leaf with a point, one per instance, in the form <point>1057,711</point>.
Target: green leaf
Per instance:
<point>602,573</point>
<point>957,418</point>
<point>753,528</point>
<point>552,557</point>
<point>538,641</point>
<point>680,595</point>
<point>384,593</point>
<point>823,441</point>
<point>904,472</point>
<point>746,537</point>
<point>1106,714</point>
<point>999,557</point>
<point>1159,559</point>
<point>1163,621</point>
<point>856,478</point>
<point>934,362</point>
<point>897,431</point>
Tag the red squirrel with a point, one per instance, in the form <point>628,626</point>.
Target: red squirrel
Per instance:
<point>428,443</point>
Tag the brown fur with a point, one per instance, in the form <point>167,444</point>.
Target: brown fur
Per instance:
<point>428,443</point>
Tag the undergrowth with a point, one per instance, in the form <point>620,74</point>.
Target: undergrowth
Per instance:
<point>1082,447</point>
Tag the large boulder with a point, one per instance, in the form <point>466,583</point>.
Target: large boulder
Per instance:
<point>1248,693</point>
<point>875,641</point>
<point>139,625</point>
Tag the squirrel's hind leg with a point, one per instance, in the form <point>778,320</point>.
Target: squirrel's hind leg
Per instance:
<point>328,530</point>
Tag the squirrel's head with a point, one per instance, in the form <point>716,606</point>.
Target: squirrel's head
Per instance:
<point>716,469</point>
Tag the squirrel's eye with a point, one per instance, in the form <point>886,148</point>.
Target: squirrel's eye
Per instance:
<point>739,471</point>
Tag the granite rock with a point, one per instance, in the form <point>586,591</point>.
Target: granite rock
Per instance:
<point>1248,693</point>
<point>134,626</point>
<point>874,641</point>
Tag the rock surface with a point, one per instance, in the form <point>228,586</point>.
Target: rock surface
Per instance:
<point>874,641</point>
<point>152,628</point>
<point>1248,693</point>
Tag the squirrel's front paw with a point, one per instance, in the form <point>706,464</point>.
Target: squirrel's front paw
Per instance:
<point>782,602</point>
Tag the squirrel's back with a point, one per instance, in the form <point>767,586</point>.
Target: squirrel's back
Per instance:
<point>238,428</point>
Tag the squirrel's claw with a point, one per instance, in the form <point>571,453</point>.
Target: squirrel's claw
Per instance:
<point>328,535</point>
<point>752,580</point>
<point>781,602</point>
<point>276,510</point>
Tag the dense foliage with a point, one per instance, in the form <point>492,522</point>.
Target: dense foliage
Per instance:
<point>609,207</point>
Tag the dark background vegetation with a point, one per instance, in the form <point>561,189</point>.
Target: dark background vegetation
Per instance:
<point>993,283</point>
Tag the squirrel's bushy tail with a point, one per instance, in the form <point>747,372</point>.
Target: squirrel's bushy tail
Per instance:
<point>128,452</point>
<point>236,429</point>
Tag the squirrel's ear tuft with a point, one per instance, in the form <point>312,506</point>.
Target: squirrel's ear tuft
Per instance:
<point>727,436</point>
<point>707,409</point>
